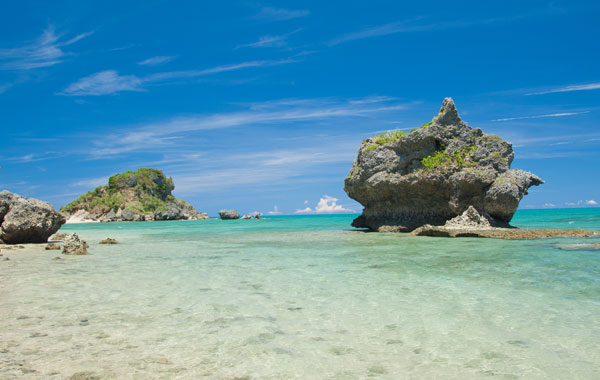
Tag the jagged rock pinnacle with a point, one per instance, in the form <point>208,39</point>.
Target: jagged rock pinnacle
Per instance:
<point>448,114</point>
<point>435,173</point>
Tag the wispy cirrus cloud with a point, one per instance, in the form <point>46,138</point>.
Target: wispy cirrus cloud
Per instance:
<point>104,83</point>
<point>155,61</point>
<point>267,41</point>
<point>559,114</point>
<point>46,50</point>
<point>111,82</point>
<point>270,41</point>
<point>280,14</point>
<point>579,87</point>
<point>171,131</point>
<point>419,24</point>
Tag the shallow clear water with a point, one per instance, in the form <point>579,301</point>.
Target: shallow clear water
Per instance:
<point>303,298</point>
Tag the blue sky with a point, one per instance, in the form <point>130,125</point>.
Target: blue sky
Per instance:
<point>261,106</point>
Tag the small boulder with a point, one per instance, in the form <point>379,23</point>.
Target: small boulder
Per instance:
<point>27,220</point>
<point>229,214</point>
<point>471,218</point>
<point>246,216</point>
<point>108,241</point>
<point>73,245</point>
<point>257,215</point>
<point>52,247</point>
<point>59,236</point>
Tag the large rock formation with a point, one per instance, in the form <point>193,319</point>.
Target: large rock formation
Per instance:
<point>433,174</point>
<point>140,195</point>
<point>229,214</point>
<point>26,220</point>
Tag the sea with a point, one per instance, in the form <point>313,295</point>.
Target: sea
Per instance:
<point>303,297</point>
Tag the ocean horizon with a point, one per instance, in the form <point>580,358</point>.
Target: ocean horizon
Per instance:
<point>304,297</point>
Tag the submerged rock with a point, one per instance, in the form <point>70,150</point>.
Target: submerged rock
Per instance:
<point>52,247</point>
<point>229,214</point>
<point>501,233</point>
<point>433,174</point>
<point>73,245</point>
<point>27,220</point>
<point>108,241</point>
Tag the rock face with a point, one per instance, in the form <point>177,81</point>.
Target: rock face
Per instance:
<point>229,214</point>
<point>141,195</point>
<point>433,174</point>
<point>27,220</point>
<point>73,245</point>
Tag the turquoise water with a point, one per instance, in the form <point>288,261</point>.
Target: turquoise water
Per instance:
<point>304,297</point>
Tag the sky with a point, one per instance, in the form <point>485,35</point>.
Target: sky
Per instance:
<point>262,106</point>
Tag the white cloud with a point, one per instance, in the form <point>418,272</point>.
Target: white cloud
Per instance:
<point>589,202</point>
<point>270,41</point>
<point>581,87</point>
<point>275,211</point>
<point>307,210</point>
<point>306,202</point>
<point>326,205</point>
<point>104,83</point>
<point>549,205</point>
<point>280,14</point>
<point>91,183</point>
<point>45,51</point>
<point>156,60</point>
<point>329,204</point>
<point>561,114</point>
<point>110,82</point>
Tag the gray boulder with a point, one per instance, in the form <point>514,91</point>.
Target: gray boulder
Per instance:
<point>229,214</point>
<point>27,220</point>
<point>73,245</point>
<point>127,215</point>
<point>171,212</point>
<point>433,174</point>
<point>470,219</point>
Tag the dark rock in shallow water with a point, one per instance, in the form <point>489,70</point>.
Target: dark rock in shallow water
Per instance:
<point>108,241</point>
<point>229,214</point>
<point>433,174</point>
<point>27,220</point>
<point>52,247</point>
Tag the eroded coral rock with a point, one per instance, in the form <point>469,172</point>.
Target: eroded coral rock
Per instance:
<point>229,214</point>
<point>73,245</point>
<point>433,174</point>
<point>27,220</point>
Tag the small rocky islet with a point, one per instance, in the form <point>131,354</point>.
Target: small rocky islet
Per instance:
<point>141,195</point>
<point>444,178</point>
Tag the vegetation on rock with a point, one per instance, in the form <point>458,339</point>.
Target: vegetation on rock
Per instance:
<point>389,137</point>
<point>143,191</point>
<point>446,161</point>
